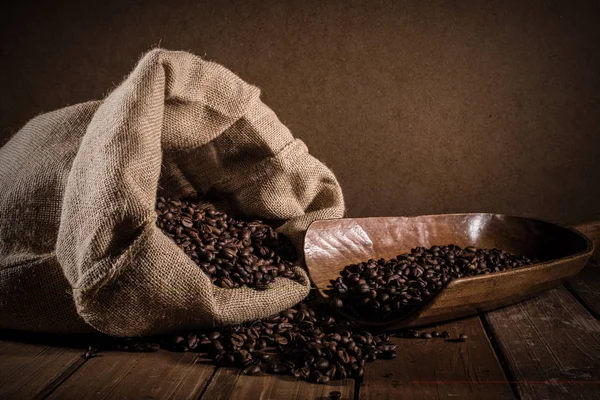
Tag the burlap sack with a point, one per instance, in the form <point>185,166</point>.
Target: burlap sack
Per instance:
<point>79,247</point>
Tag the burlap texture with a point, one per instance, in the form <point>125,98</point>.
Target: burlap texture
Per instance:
<point>78,242</point>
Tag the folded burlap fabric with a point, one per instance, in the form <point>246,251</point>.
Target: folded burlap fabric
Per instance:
<point>79,247</point>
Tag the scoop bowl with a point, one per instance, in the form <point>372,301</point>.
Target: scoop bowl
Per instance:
<point>330,245</point>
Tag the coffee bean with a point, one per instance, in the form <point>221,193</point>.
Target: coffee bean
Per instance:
<point>445,334</point>
<point>193,342</point>
<point>279,369</point>
<point>359,373</point>
<point>462,337</point>
<point>217,345</point>
<point>334,395</point>
<point>337,302</point>
<point>426,335</point>
<point>252,370</point>
<point>321,364</point>
<point>315,375</point>
<point>302,373</point>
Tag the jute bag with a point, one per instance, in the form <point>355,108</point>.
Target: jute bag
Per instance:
<point>79,248</point>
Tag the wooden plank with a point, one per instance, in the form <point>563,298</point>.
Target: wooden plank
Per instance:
<point>28,370</point>
<point>121,375</point>
<point>586,286</point>
<point>552,346</point>
<point>438,368</point>
<point>592,231</point>
<point>230,383</point>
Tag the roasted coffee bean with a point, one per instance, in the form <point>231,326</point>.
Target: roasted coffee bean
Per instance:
<point>359,372</point>
<point>334,395</point>
<point>217,345</point>
<point>343,356</point>
<point>321,364</point>
<point>315,375</point>
<point>193,342</point>
<point>337,302</point>
<point>388,347</point>
<point>279,369</point>
<point>462,337</point>
<point>426,335</point>
<point>445,334</point>
<point>331,371</point>
<point>252,370</point>
<point>302,373</point>
<point>341,373</point>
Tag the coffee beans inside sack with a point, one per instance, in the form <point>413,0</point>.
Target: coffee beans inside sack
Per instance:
<point>233,253</point>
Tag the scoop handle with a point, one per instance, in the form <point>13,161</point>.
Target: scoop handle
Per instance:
<point>592,231</point>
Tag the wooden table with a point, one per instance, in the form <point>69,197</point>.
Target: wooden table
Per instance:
<point>544,348</point>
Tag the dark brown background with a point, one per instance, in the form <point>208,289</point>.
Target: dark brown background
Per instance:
<point>418,107</point>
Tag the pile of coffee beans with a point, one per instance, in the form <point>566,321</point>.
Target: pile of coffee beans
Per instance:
<point>306,341</point>
<point>386,289</point>
<point>232,252</point>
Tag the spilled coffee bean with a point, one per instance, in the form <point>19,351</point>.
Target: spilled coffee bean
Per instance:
<point>334,395</point>
<point>387,289</point>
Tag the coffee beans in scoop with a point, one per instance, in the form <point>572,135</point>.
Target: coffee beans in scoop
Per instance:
<point>232,252</point>
<point>386,289</point>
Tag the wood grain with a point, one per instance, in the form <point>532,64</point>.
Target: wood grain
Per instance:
<point>232,384</point>
<point>119,375</point>
<point>439,369</point>
<point>332,244</point>
<point>28,370</point>
<point>586,286</point>
<point>552,346</point>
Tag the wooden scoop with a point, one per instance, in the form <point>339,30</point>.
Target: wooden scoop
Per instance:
<point>330,245</point>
